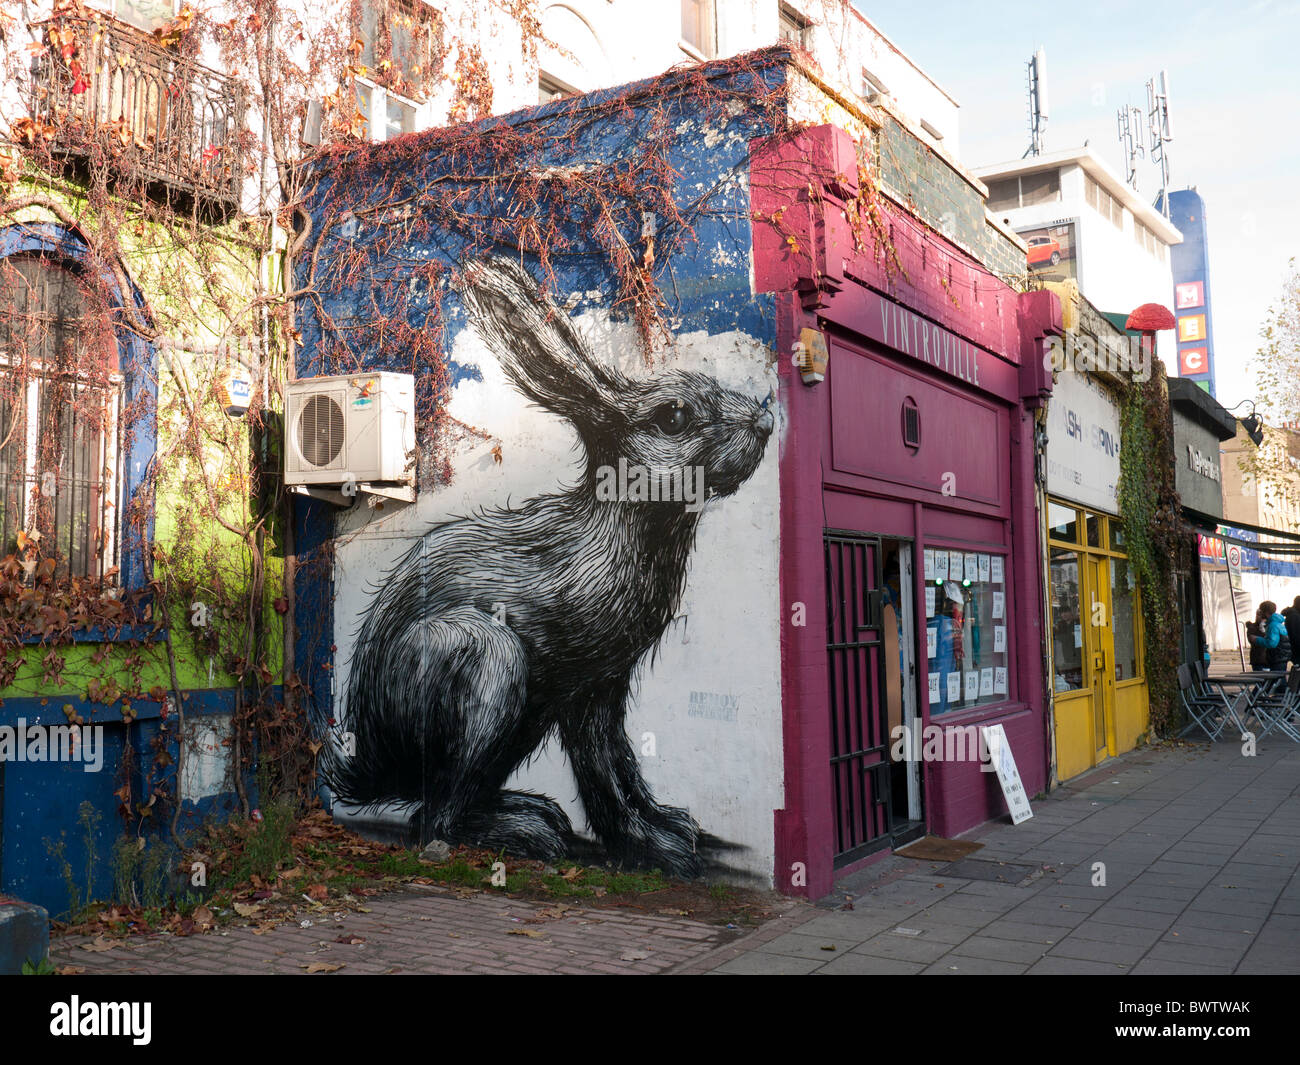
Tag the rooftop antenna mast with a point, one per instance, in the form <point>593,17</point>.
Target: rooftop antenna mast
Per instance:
<point>1160,131</point>
<point>1037,71</point>
<point>1129,120</point>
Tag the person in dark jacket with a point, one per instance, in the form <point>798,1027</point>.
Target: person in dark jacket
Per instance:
<point>1292,615</point>
<point>1254,630</point>
<point>1276,643</point>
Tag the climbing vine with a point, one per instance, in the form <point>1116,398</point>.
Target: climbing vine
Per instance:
<point>1157,544</point>
<point>140,175</point>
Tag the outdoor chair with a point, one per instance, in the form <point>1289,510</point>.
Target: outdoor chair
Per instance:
<point>1245,696</point>
<point>1281,711</point>
<point>1209,713</point>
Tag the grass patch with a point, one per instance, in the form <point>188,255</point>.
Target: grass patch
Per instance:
<point>283,868</point>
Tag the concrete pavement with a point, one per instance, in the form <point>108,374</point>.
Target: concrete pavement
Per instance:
<point>1199,848</point>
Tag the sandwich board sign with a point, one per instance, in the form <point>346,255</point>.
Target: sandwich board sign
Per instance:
<point>1004,764</point>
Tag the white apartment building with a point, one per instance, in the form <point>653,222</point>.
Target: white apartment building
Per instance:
<point>586,45</point>
<point>1082,222</point>
<point>598,44</point>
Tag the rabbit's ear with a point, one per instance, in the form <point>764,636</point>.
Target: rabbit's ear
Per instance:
<point>537,344</point>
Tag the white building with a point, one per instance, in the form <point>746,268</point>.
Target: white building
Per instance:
<point>601,43</point>
<point>1082,222</point>
<point>418,58</point>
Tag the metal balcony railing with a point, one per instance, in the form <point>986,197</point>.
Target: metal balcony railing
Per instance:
<point>176,124</point>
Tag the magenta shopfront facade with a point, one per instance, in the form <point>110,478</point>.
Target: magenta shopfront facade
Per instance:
<point>909,513</point>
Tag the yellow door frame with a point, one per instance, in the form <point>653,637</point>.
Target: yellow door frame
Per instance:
<point>1098,665</point>
<point>1095,539</point>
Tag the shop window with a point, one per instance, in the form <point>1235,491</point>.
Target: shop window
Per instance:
<point>1123,608</point>
<point>60,400</point>
<point>1062,522</point>
<point>967,629</point>
<point>698,26</point>
<point>1067,619</point>
<point>1095,531</point>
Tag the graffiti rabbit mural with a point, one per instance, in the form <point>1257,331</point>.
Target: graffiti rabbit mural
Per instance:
<point>503,628</point>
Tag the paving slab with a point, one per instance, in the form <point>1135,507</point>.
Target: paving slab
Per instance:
<point>1201,849</point>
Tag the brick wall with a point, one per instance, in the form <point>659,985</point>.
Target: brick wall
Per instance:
<point>931,187</point>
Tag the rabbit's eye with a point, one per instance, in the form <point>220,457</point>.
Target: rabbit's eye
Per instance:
<point>672,417</point>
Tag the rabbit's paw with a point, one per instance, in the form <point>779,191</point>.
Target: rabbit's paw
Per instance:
<point>671,838</point>
<point>521,823</point>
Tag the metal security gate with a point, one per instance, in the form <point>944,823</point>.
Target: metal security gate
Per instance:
<point>858,720</point>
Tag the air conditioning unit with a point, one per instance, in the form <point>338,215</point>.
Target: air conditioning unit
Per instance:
<point>353,430</point>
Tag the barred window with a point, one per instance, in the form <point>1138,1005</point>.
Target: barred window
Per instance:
<point>60,405</point>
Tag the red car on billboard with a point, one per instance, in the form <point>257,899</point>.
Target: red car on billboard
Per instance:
<point>1044,250</point>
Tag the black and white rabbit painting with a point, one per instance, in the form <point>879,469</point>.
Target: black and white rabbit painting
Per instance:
<point>512,626</point>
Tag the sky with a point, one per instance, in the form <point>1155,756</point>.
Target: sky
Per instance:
<point>1234,110</point>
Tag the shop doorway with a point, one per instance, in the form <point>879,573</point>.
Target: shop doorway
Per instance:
<point>871,661</point>
<point>1101,647</point>
<point>902,696</point>
<point>1099,690</point>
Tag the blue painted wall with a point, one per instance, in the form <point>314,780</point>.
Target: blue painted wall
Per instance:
<point>40,800</point>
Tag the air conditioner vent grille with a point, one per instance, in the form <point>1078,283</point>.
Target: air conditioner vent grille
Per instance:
<point>320,430</point>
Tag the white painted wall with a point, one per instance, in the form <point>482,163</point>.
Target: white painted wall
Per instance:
<point>725,644</point>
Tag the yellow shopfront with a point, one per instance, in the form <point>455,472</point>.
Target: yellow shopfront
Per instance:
<point>1100,692</point>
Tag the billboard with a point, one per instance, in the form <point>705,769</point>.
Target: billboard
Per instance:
<point>1053,251</point>
<point>1191,269</point>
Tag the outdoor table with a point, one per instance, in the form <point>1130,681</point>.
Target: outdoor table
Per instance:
<point>1249,686</point>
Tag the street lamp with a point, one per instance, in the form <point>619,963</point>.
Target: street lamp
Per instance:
<point>1252,422</point>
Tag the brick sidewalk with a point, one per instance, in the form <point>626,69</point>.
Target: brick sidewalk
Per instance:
<point>432,930</point>
<point>1200,846</point>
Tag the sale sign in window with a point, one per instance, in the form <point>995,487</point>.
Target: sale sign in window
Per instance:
<point>1191,327</point>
